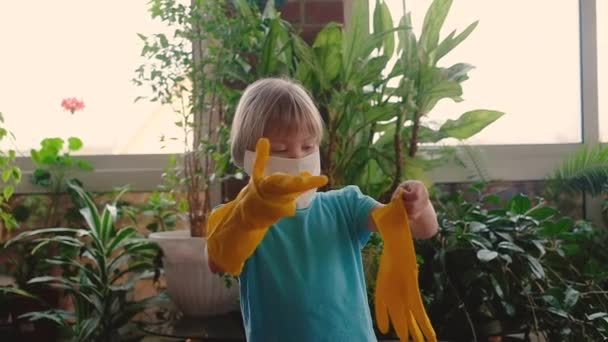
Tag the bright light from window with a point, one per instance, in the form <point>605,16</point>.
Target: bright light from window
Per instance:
<point>84,49</point>
<point>602,66</point>
<point>526,58</point>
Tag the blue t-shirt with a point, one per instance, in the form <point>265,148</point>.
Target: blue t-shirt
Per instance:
<point>305,281</point>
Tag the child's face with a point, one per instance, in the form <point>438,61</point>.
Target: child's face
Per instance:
<point>291,144</point>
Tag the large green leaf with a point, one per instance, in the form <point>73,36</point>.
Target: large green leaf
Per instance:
<point>470,123</point>
<point>327,48</point>
<point>519,204</point>
<point>408,62</point>
<point>371,71</point>
<point>276,52</point>
<point>356,34</point>
<point>433,22</point>
<point>384,22</point>
<point>436,84</point>
<point>449,43</point>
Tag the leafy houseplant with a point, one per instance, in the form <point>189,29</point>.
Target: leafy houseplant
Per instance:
<point>501,267</point>
<point>374,129</point>
<point>217,48</point>
<point>110,261</point>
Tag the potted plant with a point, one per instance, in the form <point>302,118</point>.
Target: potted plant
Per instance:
<point>218,47</point>
<point>103,275</point>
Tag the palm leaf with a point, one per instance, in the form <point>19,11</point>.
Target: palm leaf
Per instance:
<point>584,171</point>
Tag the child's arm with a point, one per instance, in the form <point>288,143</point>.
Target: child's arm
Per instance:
<point>421,213</point>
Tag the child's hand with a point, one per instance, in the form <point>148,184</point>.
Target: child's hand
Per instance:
<point>415,197</point>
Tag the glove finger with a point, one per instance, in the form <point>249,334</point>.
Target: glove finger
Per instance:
<point>380,304</point>
<point>414,329</point>
<point>398,305</point>
<point>417,307</point>
<point>397,311</point>
<point>310,182</point>
<point>262,153</point>
<point>282,184</point>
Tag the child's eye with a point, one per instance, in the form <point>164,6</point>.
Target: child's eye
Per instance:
<point>306,148</point>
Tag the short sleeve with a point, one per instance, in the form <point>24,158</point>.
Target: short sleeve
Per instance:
<point>359,207</point>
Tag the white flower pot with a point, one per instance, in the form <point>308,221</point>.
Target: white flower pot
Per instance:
<point>194,289</point>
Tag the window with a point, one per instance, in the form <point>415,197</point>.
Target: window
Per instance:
<point>602,61</point>
<point>85,49</point>
<point>527,64</point>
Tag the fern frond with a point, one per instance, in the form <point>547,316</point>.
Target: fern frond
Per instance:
<point>585,171</point>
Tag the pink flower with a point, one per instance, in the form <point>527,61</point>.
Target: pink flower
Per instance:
<point>72,104</point>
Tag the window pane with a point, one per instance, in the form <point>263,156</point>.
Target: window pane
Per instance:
<point>602,66</point>
<point>526,65</point>
<point>85,49</point>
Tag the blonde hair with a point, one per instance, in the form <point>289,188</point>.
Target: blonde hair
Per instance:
<point>272,103</point>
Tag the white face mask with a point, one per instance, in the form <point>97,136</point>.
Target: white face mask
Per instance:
<point>310,163</point>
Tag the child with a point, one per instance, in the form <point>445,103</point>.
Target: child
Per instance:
<point>297,252</point>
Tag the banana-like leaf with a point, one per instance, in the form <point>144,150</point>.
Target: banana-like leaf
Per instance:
<point>408,63</point>
<point>470,123</point>
<point>384,22</point>
<point>327,49</point>
<point>357,32</point>
<point>449,43</point>
<point>433,22</point>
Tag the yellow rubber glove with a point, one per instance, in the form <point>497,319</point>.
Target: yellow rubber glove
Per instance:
<point>397,293</point>
<point>235,229</point>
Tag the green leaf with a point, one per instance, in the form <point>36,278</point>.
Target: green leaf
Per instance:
<point>536,267</point>
<point>486,255</point>
<point>563,225</point>
<point>8,192</point>
<point>326,48</point>
<point>408,63</point>
<point>356,33</point>
<point>470,123</point>
<point>6,175</point>
<point>433,22</point>
<point>542,213</point>
<point>597,315</point>
<point>571,298</point>
<point>519,204</point>
<point>384,22</point>
<point>510,246</point>
<point>60,317</point>
<point>74,144</point>
<point>540,246</point>
<point>449,43</point>
<point>586,170</point>
<point>121,237</point>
